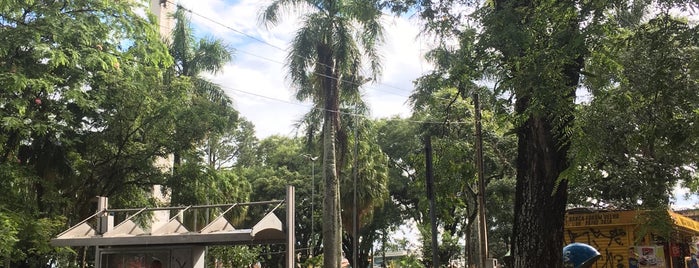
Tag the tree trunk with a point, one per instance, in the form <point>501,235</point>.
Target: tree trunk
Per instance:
<point>541,198</point>
<point>482,223</point>
<point>546,108</point>
<point>430,197</point>
<point>468,233</point>
<point>332,225</point>
<point>468,259</point>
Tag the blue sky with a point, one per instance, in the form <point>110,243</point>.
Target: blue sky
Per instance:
<point>256,78</point>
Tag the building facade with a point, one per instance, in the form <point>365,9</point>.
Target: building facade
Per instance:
<point>624,240</point>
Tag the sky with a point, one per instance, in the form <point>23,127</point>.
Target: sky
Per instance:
<point>256,78</point>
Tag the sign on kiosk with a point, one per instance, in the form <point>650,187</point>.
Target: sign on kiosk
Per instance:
<point>647,256</point>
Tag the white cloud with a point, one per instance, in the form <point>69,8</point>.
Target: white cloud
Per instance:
<point>403,62</point>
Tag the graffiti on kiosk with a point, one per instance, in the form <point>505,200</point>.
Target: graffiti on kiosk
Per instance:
<point>609,259</point>
<point>598,237</point>
<point>602,238</point>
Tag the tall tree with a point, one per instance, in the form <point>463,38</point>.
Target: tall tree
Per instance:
<point>543,55</point>
<point>641,123</point>
<point>280,161</point>
<point>538,53</point>
<point>370,184</point>
<point>209,109</point>
<point>324,53</point>
<point>543,47</point>
<point>234,148</point>
<point>82,111</point>
<point>459,68</point>
<point>207,115</point>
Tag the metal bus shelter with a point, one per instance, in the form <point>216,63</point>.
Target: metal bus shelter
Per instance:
<point>167,242</point>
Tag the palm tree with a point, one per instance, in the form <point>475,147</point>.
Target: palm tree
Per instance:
<point>325,50</point>
<point>191,59</point>
<point>206,114</point>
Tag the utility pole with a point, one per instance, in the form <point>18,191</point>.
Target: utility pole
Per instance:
<point>482,227</point>
<point>355,215</point>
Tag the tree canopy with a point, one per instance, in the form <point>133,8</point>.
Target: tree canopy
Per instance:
<point>584,104</point>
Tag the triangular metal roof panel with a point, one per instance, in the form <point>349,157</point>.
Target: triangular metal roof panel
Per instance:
<point>126,228</point>
<point>79,231</point>
<point>172,227</point>
<point>218,225</point>
<point>269,228</point>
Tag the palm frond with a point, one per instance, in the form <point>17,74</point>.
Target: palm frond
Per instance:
<point>182,38</point>
<point>270,15</point>
<point>211,91</point>
<point>211,55</point>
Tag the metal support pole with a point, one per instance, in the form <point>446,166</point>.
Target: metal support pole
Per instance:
<point>290,227</point>
<point>355,216</point>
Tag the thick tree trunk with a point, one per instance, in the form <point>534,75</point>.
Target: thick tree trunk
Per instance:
<point>468,234</point>
<point>541,197</point>
<point>547,107</point>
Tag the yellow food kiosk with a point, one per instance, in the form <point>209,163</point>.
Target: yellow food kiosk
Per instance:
<point>625,242</point>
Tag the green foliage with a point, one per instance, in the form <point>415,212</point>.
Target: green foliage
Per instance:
<point>8,234</point>
<point>203,128</point>
<point>400,140</point>
<point>208,112</point>
<point>233,256</point>
<point>657,224</point>
<point>441,98</point>
<point>639,130</point>
<point>82,114</point>
<point>372,178</point>
<point>315,261</point>
<point>86,111</point>
<point>410,261</point>
<point>325,65</point>
<point>235,148</point>
<point>454,168</point>
<point>280,161</point>
<point>628,148</point>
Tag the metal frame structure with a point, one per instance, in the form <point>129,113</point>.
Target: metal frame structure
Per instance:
<point>99,230</point>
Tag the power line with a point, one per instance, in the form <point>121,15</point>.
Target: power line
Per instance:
<point>322,75</point>
<point>323,109</point>
<point>281,49</point>
<point>284,50</point>
<point>295,103</point>
<point>341,112</point>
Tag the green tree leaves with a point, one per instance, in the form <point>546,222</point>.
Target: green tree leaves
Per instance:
<point>84,111</point>
<point>326,53</point>
<point>640,126</point>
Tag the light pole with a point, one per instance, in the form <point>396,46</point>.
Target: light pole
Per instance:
<point>313,194</point>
